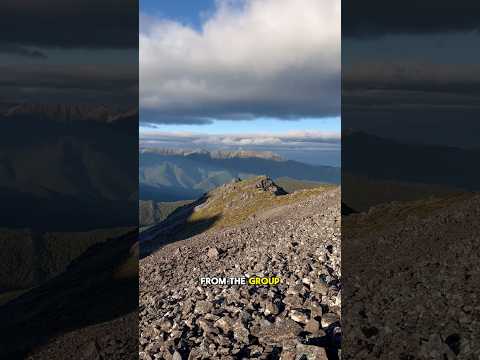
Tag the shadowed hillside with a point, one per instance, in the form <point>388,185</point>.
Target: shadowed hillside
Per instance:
<point>66,176</point>
<point>384,159</point>
<point>96,287</point>
<point>152,212</point>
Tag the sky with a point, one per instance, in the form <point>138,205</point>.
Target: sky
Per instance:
<point>272,125</point>
<point>411,71</point>
<point>242,74</point>
<point>187,12</point>
<point>94,64</point>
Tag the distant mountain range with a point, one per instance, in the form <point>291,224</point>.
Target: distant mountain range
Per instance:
<point>67,167</point>
<point>67,112</point>
<point>217,154</point>
<point>172,175</point>
<point>385,159</point>
<point>379,170</point>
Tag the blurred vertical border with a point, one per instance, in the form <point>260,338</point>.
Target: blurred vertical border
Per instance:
<point>69,179</point>
<point>410,180</point>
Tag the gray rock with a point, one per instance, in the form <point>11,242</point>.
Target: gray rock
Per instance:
<point>271,308</point>
<point>176,356</point>
<point>213,253</point>
<point>312,326</point>
<point>240,332</point>
<point>225,323</point>
<point>203,307</point>
<point>328,319</point>
<point>319,287</point>
<point>166,325</point>
<point>298,316</point>
<point>278,332</point>
<point>90,351</point>
<point>310,352</point>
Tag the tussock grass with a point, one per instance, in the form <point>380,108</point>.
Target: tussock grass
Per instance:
<point>235,203</point>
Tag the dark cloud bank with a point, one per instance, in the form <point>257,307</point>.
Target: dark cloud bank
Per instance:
<point>35,40</point>
<point>425,94</point>
<point>70,24</point>
<point>377,17</point>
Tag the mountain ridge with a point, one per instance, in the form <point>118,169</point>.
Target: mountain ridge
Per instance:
<point>386,159</point>
<point>67,172</point>
<point>225,206</point>
<point>68,112</point>
<point>174,175</point>
<point>216,154</point>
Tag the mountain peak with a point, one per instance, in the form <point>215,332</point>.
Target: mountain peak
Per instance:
<point>237,197</point>
<point>226,206</point>
<point>215,154</point>
<point>261,183</point>
<point>267,155</point>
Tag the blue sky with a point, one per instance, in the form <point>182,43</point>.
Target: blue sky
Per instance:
<point>266,91</point>
<point>187,12</point>
<point>254,126</point>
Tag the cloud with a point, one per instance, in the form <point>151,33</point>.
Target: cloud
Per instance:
<point>424,103</point>
<point>149,117</point>
<point>270,58</point>
<point>381,86</point>
<point>379,17</point>
<point>410,71</point>
<point>69,83</point>
<point>70,24</point>
<point>77,51</point>
<point>314,140</point>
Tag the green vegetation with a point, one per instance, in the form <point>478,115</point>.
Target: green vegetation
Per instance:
<point>291,185</point>
<point>232,204</point>
<point>361,193</point>
<point>152,212</point>
<point>176,175</point>
<point>382,216</point>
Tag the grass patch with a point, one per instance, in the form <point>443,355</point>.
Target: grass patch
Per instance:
<point>233,204</point>
<point>291,185</point>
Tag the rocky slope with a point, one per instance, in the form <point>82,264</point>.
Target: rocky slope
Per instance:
<point>295,237</point>
<point>411,280</point>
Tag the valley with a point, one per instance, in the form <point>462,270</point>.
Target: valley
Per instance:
<point>171,175</point>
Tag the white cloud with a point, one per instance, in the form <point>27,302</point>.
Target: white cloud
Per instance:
<point>278,58</point>
<point>314,140</point>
